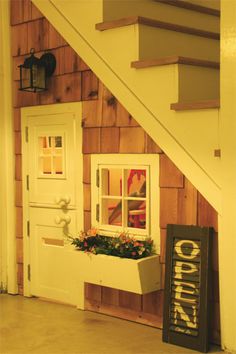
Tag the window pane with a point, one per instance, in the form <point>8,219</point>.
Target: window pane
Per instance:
<point>58,141</point>
<point>57,164</point>
<point>50,155</point>
<point>46,167</point>
<point>43,145</point>
<point>136,214</point>
<point>111,181</point>
<point>50,141</point>
<point>111,212</point>
<point>135,183</point>
<point>58,151</point>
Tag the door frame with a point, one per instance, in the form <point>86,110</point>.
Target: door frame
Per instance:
<point>76,109</point>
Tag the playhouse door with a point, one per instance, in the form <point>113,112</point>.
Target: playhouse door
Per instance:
<point>54,202</point>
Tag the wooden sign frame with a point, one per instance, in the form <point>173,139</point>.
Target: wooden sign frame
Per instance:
<point>187,286</point>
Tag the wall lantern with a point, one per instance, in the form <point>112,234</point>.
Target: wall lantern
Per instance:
<point>34,71</point>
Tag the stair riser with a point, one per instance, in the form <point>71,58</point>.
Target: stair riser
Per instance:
<point>158,42</point>
<point>183,83</point>
<point>112,10</point>
<point>214,4</point>
<point>198,83</point>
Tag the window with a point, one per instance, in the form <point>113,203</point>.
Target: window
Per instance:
<point>51,151</point>
<point>125,194</point>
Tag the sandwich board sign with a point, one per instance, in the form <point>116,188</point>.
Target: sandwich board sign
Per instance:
<point>187,286</point>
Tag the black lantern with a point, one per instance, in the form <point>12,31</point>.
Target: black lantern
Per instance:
<point>34,71</point>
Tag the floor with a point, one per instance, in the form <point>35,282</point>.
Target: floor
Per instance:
<point>30,325</point>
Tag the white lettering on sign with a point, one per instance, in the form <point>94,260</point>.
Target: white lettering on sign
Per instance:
<point>178,310</point>
<point>185,287</point>
<point>182,268</point>
<point>180,251</point>
<point>180,296</point>
<point>181,286</point>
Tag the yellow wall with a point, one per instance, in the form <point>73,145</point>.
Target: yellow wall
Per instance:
<point>227,239</point>
<point>7,225</point>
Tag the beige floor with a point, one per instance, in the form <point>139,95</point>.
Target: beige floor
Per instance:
<point>35,326</point>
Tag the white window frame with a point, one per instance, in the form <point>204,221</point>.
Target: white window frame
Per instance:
<point>52,175</point>
<point>129,161</point>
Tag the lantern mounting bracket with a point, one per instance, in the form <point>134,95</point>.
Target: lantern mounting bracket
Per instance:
<point>49,61</point>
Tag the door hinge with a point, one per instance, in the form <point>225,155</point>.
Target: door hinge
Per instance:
<point>26,134</point>
<point>27,182</point>
<point>97,212</point>
<point>28,272</point>
<point>97,178</point>
<point>28,228</point>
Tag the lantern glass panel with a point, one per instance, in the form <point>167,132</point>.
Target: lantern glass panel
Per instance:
<point>33,78</point>
<point>38,77</point>
<point>25,77</point>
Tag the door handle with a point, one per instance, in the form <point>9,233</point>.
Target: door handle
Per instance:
<point>66,219</point>
<point>63,201</point>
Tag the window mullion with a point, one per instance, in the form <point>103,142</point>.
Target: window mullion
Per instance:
<point>99,186</point>
<point>148,200</point>
<point>124,218</point>
<point>52,164</point>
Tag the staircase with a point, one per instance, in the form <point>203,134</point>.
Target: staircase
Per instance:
<point>161,60</point>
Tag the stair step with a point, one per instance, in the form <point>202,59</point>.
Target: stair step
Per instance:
<point>160,10</point>
<point>204,104</point>
<point>157,39</point>
<point>141,64</point>
<point>190,6</point>
<point>155,23</point>
<point>196,79</point>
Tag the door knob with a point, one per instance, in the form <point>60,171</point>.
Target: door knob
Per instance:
<point>63,200</point>
<point>66,219</point>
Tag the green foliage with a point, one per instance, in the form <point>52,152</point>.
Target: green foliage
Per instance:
<point>122,246</point>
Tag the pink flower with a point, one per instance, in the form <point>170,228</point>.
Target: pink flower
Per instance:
<point>133,253</point>
<point>85,244</point>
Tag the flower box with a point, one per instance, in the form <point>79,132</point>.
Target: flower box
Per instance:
<point>139,276</point>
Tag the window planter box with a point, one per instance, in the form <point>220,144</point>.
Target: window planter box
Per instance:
<point>139,276</point>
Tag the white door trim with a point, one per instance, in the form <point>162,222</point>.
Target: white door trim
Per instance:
<point>7,184</point>
<point>76,109</point>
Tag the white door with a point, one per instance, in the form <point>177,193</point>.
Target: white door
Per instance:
<point>53,178</point>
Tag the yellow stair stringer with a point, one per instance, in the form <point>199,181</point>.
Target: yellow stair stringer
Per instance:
<point>188,138</point>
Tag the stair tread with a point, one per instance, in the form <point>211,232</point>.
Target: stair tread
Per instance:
<point>203,104</point>
<point>155,23</point>
<point>139,64</point>
<point>192,7</point>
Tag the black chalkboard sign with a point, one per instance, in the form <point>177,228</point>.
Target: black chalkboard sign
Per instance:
<point>187,286</point>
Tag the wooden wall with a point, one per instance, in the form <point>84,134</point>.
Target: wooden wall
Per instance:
<point>107,128</point>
